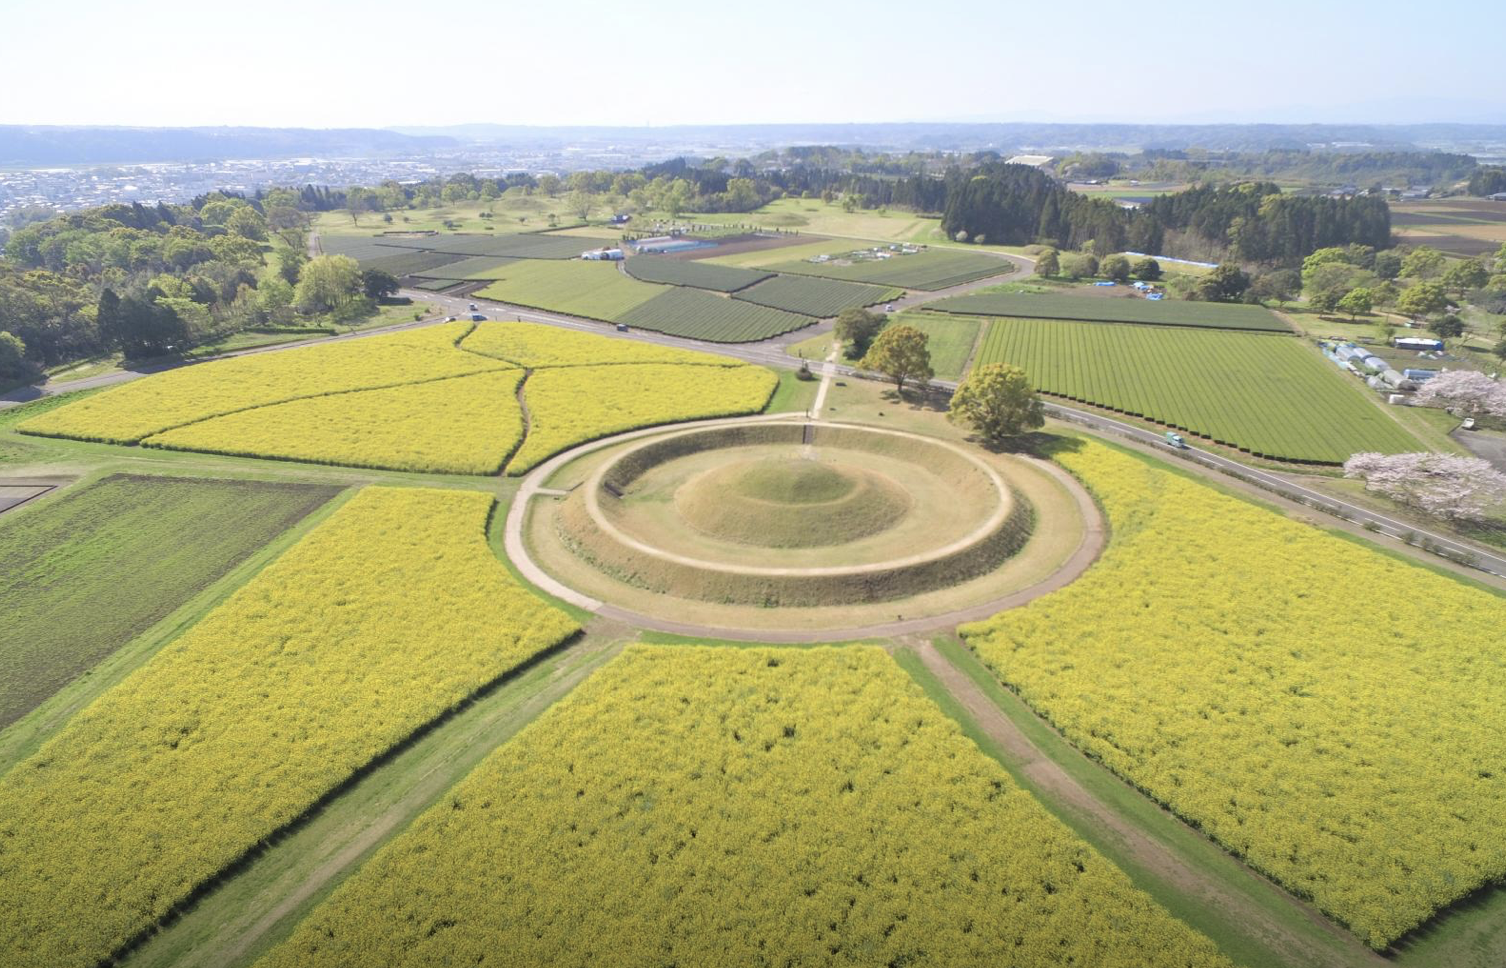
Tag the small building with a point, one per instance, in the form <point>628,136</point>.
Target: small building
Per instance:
<point>621,219</point>
<point>603,255</point>
<point>1034,161</point>
<point>1392,379</point>
<point>1420,376</point>
<point>1419,343</point>
<point>668,243</point>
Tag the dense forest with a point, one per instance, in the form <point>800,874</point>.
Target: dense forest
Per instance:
<point>1487,181</point>
<point>1362,169</point>
<point>1253,222</point>
<point>148,280</point>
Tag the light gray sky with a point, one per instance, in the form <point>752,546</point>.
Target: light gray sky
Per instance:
<point>376,63</point>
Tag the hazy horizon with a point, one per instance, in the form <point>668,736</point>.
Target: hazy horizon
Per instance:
<point>378,65</point>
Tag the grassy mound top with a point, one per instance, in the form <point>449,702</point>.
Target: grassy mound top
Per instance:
<point>791,503</point>
<point>796,481</point>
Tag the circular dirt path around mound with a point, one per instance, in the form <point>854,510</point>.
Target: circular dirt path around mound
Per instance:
<point>532,486</point>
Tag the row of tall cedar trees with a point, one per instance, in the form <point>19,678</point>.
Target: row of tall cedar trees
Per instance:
<point>1018,205</point>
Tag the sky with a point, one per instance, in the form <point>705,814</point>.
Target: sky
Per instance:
<point>376,63</point>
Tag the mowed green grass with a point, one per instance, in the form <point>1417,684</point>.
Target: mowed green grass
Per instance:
<point>813,296</point>
<point>1267,395</point>
<point>951,342</point>
<point>84,573</point>
<point>758,258</point>
<point>1163,312</point>
<point>701,275</point>
<point>698,314</point>
<point>595,290</point>
<point>927,270</point>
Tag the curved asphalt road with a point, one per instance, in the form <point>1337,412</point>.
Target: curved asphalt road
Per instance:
<point>771,353</point>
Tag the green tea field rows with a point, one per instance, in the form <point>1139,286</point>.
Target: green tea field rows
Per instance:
<point>473,267</point>
<point>595,290</point>
<point>362,248</point>
<point>524,245</point>
<point>814,296</point>
<point>407,262</point>
<point>1267,395</point>
<point>700,275</point>
<point>86,572</point>
<point>928,269</point>
<point>382,618</point>
<point>1162,312</point>
<point>701,315</point>
<point>711,806</point>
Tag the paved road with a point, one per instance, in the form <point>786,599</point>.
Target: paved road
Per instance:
<point>1474,555</point>
<point>1484,444</point>
<point>772,353</point>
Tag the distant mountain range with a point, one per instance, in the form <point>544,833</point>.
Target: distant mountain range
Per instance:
<point>44,145</point>
<point>979,135</point>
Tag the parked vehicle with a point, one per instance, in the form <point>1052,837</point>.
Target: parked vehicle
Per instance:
<point>889,308</point>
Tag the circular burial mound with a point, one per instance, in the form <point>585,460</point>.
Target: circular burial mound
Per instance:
<point>800,502</point>
<point>792,515</point>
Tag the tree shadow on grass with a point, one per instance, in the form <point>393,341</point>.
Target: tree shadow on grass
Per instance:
<point>1036,443</point>
<point>920,398</point>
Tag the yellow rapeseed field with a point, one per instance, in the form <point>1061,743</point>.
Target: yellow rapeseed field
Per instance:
<point>716,806</point>
<point>461,425</point>
<point>1330,714</point>
<point>385,616</point>
<point>571,405</point>
<point>421,400</point>
<point>138,409</point>
<point>534,346</point>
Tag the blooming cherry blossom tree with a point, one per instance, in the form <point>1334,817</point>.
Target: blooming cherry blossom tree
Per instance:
<point>1446,485</point>
<point>1471,391</point>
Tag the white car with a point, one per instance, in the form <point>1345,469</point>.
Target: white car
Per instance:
<point>889,308</point>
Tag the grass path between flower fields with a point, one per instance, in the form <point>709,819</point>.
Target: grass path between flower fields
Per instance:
<point>1252,920</point>
<point>260,904</point>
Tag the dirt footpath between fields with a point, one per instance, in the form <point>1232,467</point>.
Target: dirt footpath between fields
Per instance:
<point>1146,852</point>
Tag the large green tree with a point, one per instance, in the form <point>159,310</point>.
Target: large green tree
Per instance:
<point>1464,276</point>
<point>901,353</point>
<point>1422,262</point>
<point>12,357</point>
<point>1115,267</point>
<point>1356,301</point>
<point>997,402</point>
<point>327,282</point>
<point>856,328</point>
<point>1423,299</point>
